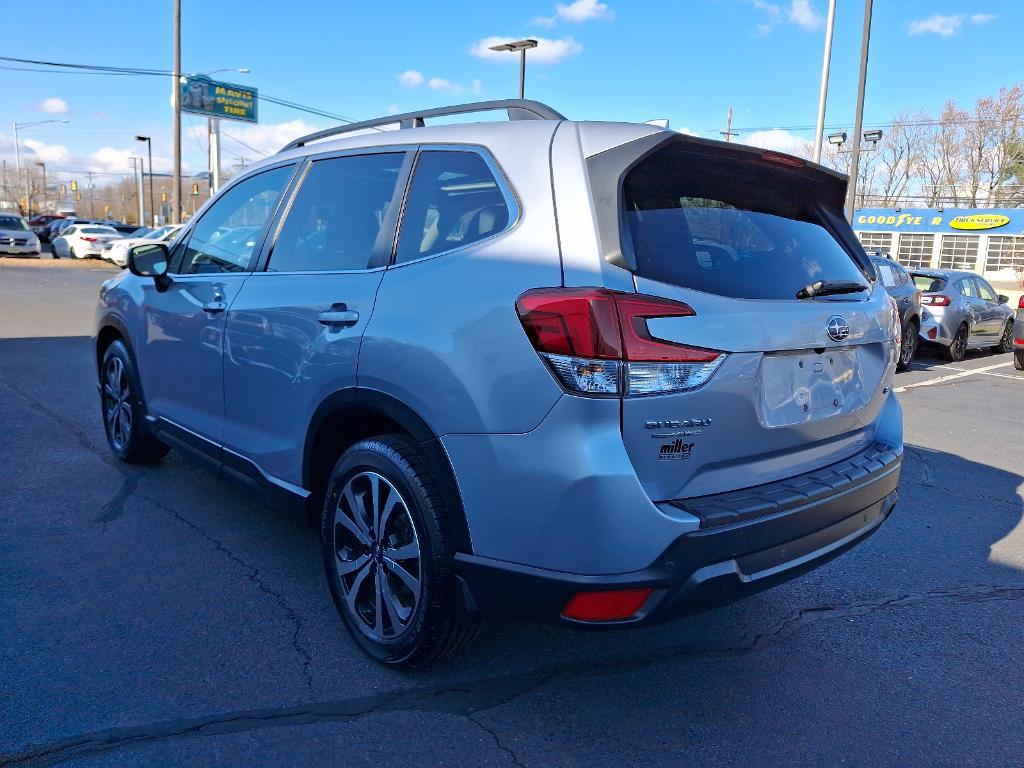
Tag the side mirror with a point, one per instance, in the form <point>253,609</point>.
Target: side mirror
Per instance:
<point>150,260</point>
<point>1003,299</point>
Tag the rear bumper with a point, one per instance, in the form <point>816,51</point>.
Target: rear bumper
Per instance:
<point>721,562</point>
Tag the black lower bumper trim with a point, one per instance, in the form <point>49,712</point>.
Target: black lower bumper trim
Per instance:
<point>705,568</point>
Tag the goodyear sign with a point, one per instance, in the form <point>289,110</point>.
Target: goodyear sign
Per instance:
<point>1008,220</point>
<point>203,96</point>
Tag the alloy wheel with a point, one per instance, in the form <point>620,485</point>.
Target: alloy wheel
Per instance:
<point>117,409</point>
<point>959,347</point>
<point>1006,342</point>
<point>377,556</point>
<point>908,347</point>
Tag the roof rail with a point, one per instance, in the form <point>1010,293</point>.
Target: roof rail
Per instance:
<point>518,109</point>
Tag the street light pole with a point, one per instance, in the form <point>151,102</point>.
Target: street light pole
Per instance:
<point>826,64</point>
<point>851,192</point>
<point>46,202</point>
<point>152,205</point>
<point>17,149</point>
<point>522,46</point>
<point>176,102</point>
<point>137,174</point>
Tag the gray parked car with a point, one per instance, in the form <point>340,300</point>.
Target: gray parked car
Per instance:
<point>600,374</point>
<point>900,286</point>
<point>967,311</point>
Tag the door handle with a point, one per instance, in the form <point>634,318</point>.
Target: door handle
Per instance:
<point>215,306</point>
<point>339,317</point>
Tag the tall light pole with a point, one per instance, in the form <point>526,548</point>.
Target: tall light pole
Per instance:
<point>137,173</point>
<point>826,64</point>
<point>46,202</point>
<point>851,192</point>
<point>17,148</point>
<point>176,102</point>
<point>152,206</point>
<point>522,46</point>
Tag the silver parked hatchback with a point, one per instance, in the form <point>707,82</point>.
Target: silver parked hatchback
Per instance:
<point>967,312</point>
<point>596,373</point>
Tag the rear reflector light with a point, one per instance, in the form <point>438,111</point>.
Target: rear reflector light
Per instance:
<point>606,606</point>
<point>1018,342</point>
<point>1020,302</point>
<point>933,333</point>
<point>782,159</point>
<point>935,300</point>
<point>597,342</point>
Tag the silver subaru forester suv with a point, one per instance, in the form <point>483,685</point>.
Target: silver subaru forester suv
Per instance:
<point>601,374</point>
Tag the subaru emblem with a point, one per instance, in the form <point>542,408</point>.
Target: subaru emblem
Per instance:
<point>838,328</point>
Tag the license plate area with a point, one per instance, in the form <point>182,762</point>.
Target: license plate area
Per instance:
<point>807,386</point>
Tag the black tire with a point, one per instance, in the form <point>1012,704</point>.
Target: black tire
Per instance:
<point>435,626</point>
<point>908,346</point>
<point>123,410</point>
<point>1006,340</point>
<point>71,253</point>
<point>1018,360</point>
<point>957,349</point>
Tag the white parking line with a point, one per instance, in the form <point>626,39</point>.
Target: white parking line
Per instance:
<point>961,373</point>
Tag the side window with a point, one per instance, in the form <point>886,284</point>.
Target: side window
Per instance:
<point>985,290</point>
<point>967,288</point>
<point>902,278</point>
<point>224,239</point>
<point>454,201</point>
<point>339,217</point>
<point>887,274</point>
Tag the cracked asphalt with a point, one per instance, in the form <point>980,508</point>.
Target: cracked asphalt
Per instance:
<point>165,617</point>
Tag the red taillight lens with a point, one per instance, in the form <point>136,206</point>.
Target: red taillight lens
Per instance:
<point>606,606</point>
<point>89,239</point>
<point>935,300</point>
<point>1020,302</point>
<point>581,322</point>
<point>598,342</point>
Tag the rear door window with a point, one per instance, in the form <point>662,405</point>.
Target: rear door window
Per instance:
<point>339,218</point>
<point>731,228</point>
<point>968,288</point>
<point>985,290</point>
<point>888,275</point>
<point>455,200</point>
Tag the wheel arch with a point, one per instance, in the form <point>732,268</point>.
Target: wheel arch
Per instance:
<point>111,329</point>
<point>349,415</point>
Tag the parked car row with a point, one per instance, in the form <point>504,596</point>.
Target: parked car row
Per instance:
<point>116,251</point>
<point>951,310</point>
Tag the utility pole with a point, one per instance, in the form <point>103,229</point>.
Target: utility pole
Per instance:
<point>728,132</point>
<point>851,192</point>
<point>826,64</point>
<point>213,139</point>
<point>92,198</point>
<point>137,178</point>
<point>46,202</point>
<point>176,102</point>
<point>17,159</point>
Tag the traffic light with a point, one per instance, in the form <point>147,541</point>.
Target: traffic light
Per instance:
<point>74,185</point>
<point>195,190</point>
<point>163,197</point>
<point>78,197</point>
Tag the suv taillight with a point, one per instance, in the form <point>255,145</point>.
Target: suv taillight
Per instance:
<point>597,342</point>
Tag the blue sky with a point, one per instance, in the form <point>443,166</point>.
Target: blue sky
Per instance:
<point>687,60</point>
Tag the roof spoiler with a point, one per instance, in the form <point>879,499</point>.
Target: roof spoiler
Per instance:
<point>517,109</point>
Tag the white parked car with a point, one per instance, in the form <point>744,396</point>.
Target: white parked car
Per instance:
<point>81,241</point>
<point>116,251</point>
<point>16,239</point>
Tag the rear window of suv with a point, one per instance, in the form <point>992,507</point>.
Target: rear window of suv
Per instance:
<point>727,227</point>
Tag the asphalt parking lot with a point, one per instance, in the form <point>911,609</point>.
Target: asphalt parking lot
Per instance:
<point>164,617</point>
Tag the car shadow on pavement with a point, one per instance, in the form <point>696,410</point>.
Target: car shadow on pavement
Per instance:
<point>152,558</point>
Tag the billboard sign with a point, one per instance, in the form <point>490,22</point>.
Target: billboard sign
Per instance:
<point>1007,220</point>
<point>202,96</point>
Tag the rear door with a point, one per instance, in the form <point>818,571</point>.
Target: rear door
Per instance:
<point>799,383</point>
<point>294,331</point>
<point>975,308</point>
<point>992,313</point>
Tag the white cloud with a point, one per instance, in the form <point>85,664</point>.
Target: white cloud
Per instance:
<point>779,140</point>
<point>548,51</point>
<point>802,13</point>
<point>543,21</point>
<point>440,84</point>
<point>477,87</point>
<point>411,78</point>
<point>982,18</point>
<point>47,153</point>
<point>943,26</point>
<point>583,10</point>
<point>262,140</point>
<point>53,106</point>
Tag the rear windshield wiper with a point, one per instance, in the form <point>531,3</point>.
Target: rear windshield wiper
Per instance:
<point>825,288</point>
